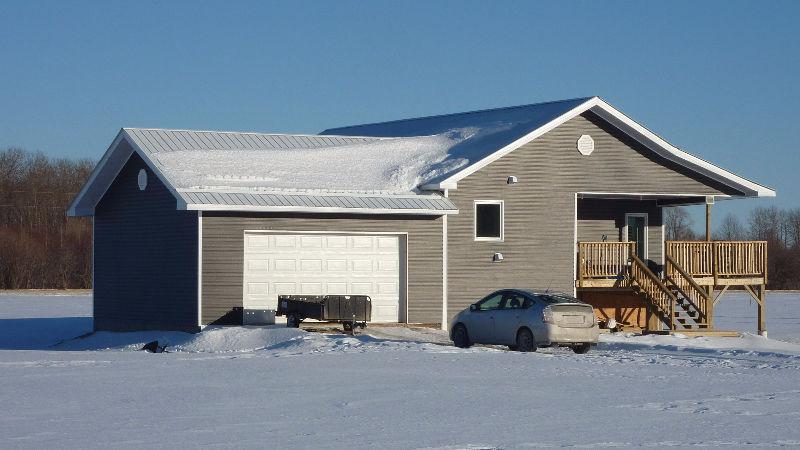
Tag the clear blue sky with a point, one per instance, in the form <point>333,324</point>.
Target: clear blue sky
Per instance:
<point>718,79</point>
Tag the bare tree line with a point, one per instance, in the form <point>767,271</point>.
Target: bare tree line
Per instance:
<point>779,227</point>
<point>39,246</point>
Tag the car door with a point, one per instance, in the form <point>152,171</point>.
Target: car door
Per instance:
<point>507,318</point>
<point>481,319</point>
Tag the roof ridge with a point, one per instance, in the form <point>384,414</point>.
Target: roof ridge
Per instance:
<point>253,132</point>
<point>479,111</point>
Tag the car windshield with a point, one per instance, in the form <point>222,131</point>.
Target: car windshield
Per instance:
<point>559,298</point>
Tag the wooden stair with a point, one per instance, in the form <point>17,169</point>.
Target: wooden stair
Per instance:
<point>676,300</point>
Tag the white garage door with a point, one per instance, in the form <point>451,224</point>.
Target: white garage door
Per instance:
<point>320,264</point>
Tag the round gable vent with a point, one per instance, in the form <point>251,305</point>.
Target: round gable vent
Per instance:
<point>142,179</point>
<point>585,145</point>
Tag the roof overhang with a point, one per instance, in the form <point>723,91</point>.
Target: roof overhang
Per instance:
<point>628,126</point>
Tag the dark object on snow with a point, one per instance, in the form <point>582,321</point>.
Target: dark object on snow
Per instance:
<point>153,347</point>
<point>349,310</point>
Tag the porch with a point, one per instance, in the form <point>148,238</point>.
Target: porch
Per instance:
<point>679,295</point>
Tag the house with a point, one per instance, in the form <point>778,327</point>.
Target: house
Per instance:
<point>425,215</point>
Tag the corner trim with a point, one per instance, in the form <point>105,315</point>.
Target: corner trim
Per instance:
<point>200,269</point>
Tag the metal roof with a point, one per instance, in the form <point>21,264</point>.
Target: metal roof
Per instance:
<point>327,202</point>
<point>156,140</point>
<point>149,143</point>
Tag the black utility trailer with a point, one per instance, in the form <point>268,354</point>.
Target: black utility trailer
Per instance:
<point>349,310</point>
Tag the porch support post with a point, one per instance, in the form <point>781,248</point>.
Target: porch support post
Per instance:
<point>709,203</point>
<point>710,289</point>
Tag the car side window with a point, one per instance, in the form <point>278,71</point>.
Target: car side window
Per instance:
<point>490,302</point>
<point>513,300</point>
<point>527,303</point>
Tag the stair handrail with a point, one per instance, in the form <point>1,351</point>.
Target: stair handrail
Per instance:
<point>654,281</point>
<point>672,267</point>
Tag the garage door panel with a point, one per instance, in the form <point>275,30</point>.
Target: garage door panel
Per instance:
<point>341,288</point>
<point>284,288</point>
<point>387,266</point>
<point>361,265</point>
<point>311,265</point>
<point>362,242</point>
<point>387,243</point>
<point>311,288</point>
<point>285,265</point>
<point>277,264</point>
<point>280,241</point>
<point>335,242</point>
<point>258,265</point>
<point>258,289</point>
<point>336,265</point>
<point>310,242</point>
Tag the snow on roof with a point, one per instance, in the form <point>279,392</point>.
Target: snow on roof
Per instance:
<point>483,132</point>
<point>259,162</point>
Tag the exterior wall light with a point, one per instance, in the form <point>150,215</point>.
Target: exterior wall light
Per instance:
<point>511,180</point>
<point>497,257</point>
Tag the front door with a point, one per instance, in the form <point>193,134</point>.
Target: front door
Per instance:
<point>636,231</point>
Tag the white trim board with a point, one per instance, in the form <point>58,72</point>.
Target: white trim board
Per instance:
<point>633,129</point>
<point>200,268</point>
<point>445,313</point>
<point>475,236</point>
<point>320,209</point>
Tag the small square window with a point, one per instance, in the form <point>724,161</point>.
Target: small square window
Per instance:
<point>488,220</point>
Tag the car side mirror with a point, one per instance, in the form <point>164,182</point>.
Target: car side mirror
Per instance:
<point>473,307</point>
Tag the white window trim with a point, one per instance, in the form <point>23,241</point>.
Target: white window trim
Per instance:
<point>475,220</point>
<point>646,231</point>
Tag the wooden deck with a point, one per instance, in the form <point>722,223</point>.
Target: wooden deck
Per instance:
<point>682,296</point>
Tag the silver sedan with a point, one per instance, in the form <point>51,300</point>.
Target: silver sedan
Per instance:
<point>524,320</point>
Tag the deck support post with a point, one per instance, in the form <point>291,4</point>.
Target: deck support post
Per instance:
<point>710,307</point>
<point>762,316</point>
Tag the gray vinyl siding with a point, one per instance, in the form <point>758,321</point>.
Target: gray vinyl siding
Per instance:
<point>538,248</point>
<point>598,217</point>
<point>145,256</point>
<point>223,257</point>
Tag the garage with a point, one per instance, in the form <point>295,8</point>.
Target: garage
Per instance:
<point>322,263</point>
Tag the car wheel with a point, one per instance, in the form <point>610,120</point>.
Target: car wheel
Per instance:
<point>461,337</point>
<point>582,348</point>
<point>292,321</point>
<point>525,342</point>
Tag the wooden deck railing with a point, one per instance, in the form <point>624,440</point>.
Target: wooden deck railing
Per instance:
<point>608,261</point>
<point>720,259</point>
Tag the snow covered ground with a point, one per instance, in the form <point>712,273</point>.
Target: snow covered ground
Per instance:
<point>395,388</point>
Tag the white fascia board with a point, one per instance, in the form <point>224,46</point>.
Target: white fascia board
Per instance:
<point>326,210</point>
<point>679,156</point>
<point>72,210</point>
<point>646,195</point>
<point>181,201</point>
<point>620,120</point>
